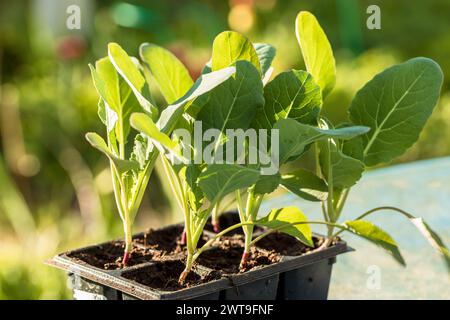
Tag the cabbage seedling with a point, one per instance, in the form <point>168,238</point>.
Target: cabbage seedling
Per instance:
<point>394,105</point>
<point>122,90</point>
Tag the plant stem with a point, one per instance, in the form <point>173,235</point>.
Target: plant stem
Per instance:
<point>188,227</point>
<point>121,137</point>
<point>183,237</point>
<point>128,243</point>
<point>297,223</point>
<point>330,205</point>
<point>217,236</point>
<point>177,188</point>
<point>240,205</point>
<point>324,211</point>
<point>248,209</point>
<point>406,214</point>
<point>126,223</point>
<point>215,217</point>
<point>253,205</point>
<point>317,159</point>
<point>341,202</point>
<point>248,230</point>
<point>187,269</point>
<point>174,181</point>
<point>247,248</point>
<point>189,245</point>
<point>143,179</point>
<point>228,204</point>
<point>330,212</point>
<point>191,257</point>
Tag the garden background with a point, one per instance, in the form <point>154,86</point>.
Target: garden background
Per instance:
<point>55,191</point>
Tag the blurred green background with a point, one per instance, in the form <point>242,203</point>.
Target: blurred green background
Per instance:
<point>55,191</point>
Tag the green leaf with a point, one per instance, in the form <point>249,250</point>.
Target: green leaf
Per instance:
<point>306,185</point>
<point>106,115</point>
<point>141,150</point>
<point>230,47</point>
<point>207,82</point>
<point>130,73</point>
<point>122,165</point>
<point>345,170</point>
<point>374,234</point>
<point>106,81</point>
<point>118,98</point>
<point>284,218</point>
<point>109,119</point>
<point>195,193</point>
<point>125,66</point>
<point>143,123</point>
<point>200,218</point>
<point>170,74</point>
<point>129,104</point>
<point>354,148</point>
<point>292,94</point>
<point>218,180</point>
<point>316,50</point>
<point>233,104</point>
<point>266,53</point>
<point>396,104</point>
<point>267,183</point>
<point>295,137</point>
<point>433,238</point>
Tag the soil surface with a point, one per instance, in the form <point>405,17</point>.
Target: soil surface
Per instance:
<point>153,245</point>
<point>166,240</point>
<point>227,219</point>
<point>164,276</point>
<point>226,256</point>
<point>286,245</point>
<point>109,256</point>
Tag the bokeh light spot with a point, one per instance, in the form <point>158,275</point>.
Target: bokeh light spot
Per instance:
<point>241,18</point>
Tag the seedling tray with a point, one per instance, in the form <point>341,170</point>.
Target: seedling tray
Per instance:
<point>268,282</point>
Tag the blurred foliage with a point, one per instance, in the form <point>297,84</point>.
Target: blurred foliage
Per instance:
<point>55,193</point>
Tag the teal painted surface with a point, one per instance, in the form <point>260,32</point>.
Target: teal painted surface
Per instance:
<point>421,188</point>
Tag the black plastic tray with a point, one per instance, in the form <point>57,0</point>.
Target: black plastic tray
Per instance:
<point>260,283</point>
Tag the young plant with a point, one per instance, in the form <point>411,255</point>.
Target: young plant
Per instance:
<point>170,75</point>
<point>395,105</point>
<point>122,90</point>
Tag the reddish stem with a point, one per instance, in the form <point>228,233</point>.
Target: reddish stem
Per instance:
<point>183,238</point>
<point>126,258</point>
<point>244,260</point>
<point>216,227</point>
<point>183,277</point>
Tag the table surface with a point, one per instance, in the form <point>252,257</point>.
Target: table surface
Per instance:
<point>421,188</point>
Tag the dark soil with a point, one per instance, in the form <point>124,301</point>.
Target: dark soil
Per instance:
<point>285,244</point>
<point>226,256</point>
<point>153,245</point>
<point>227,219</point>
<point>109,256</point>
<point>167,240</point>
<point>164,276</point>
